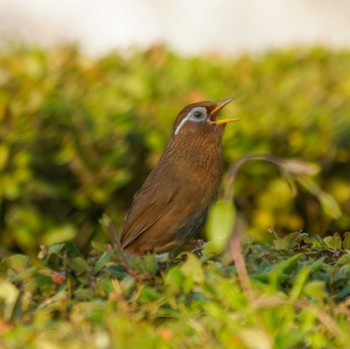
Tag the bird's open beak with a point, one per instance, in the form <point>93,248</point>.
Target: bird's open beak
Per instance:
<point>217,109</point>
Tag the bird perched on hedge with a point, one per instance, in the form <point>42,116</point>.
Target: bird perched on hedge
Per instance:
<point>172,204</point>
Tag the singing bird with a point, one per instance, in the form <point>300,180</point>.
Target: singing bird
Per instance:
<point>173,202</point>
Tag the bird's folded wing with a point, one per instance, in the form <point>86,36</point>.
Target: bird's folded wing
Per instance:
<point>150,204</point>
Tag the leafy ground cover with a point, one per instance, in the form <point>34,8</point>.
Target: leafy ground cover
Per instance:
<point>299,297</point>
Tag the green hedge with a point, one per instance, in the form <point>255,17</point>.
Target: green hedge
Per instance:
<point>79,135</point>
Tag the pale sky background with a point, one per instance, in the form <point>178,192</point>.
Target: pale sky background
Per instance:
<point>189,26</point>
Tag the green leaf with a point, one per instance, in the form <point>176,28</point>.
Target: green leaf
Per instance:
<point>150,295</point>
<point>221,220</point>
<point>329,205</point>
<point>334,241</point>
<point>289,241</point>
<point>8,296</point>
<point>173,280</point>
<point>281,244</point>
<point>345,259</point>
<point>150,264</point>
<point>316,242</point>
<point>278,272</point>
<point>346,241</point>
<point>211,249</point>
<point>315,266</point>
<point>315,289</point>
<point>343,273</point>
<point>105,258</point>
<point>290,263</point>
<point>78,265</point>
<point>299,283</point>
<point>72,250</point>
<point>55,248</point>
<point>192,268</point>
<point>60,234</point>
<point>18,262</point>
<point>192,271</point>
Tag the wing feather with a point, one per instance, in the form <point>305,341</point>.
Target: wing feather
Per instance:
<point>150,205</point>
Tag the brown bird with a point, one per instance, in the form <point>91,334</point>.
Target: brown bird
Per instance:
<point>172,204</point>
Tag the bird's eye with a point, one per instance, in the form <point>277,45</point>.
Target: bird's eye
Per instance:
<point>198,114</point>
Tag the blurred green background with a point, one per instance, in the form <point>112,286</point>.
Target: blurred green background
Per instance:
<point>78,135</point>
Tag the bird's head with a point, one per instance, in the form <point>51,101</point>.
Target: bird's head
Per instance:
<point>201,118</point>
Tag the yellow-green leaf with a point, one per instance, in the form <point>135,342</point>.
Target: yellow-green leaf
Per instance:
<point>221,221</point>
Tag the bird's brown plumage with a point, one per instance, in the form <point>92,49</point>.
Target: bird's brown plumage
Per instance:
<point>172,204</point>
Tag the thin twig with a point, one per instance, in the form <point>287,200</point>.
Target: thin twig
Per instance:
<point>237,256</point>
<point>235,241</point>
<point>233,169</point>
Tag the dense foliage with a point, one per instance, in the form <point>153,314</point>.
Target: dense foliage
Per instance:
<point>79,135</point>
<point>300,288</point>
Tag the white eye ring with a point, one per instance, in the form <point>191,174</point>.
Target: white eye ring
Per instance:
<point>197,114</point>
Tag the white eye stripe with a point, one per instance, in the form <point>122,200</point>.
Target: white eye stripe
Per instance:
<point>180,125</point>
<point>190,116</point>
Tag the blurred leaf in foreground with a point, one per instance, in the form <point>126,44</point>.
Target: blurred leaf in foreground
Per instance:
<point>220,224</point>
